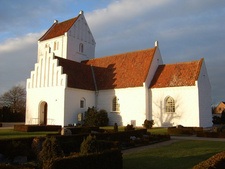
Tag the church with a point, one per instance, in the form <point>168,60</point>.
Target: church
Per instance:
<point>131,86</point>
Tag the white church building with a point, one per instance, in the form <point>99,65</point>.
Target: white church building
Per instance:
<point>131,87</point>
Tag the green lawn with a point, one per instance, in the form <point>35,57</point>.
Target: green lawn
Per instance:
<point>10,133</point>
<point>179,155</point>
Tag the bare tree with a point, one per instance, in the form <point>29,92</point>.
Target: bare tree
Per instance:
<point>15,99</point>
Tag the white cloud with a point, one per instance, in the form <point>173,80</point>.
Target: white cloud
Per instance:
<point>17,56</point>
<point>186,30</point>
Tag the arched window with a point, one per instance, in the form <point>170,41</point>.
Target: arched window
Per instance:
<point>170,104</point>
<point>81,48</point>
<point>82,103</point>
<point>115,104</point>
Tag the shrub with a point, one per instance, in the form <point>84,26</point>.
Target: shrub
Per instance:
<point>216,120</point>
<point>115,127</point>
<point>217,161</point>
<point>108,160</point>
<point>89,145</point>
<point>148,124</point>
<point>96,118</point>
<point>102,118</point>
<point>50,150</point>
<point>129,127</point>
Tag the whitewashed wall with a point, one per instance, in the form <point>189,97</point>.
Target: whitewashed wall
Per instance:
<point>53,96</point>
<point>80,33</point>
<point>47,46</point>
<point>72,103</point>
<point>186,105</point>
<point>132,105</point>
<point>205,100</point>
<point>68,44</point>
<point>46,84</point>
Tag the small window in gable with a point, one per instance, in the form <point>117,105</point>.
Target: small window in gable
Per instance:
<point>56,45</point>
<point>81,48</point>
<point>170,104</point>
<point>115,104</point>
<point>82,103</point>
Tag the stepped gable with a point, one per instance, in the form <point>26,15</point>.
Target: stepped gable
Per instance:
<point>178,74</point>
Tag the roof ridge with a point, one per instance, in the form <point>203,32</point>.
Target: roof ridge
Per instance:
<point>199,68</point>
<point>46,33</point>
<point>125,53</point>
<point>184,62</point>
<point>54,30</point>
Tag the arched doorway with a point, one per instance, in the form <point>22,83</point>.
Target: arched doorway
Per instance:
<point>43,111</point>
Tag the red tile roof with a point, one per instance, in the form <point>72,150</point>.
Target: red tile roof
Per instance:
<point>58,29</point>
<point>122,70</point>
<point>79,75</point>
<point>118,71</point>
<point>179,74</point>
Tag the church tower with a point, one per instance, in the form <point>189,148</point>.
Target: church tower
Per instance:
<point>70,39</point>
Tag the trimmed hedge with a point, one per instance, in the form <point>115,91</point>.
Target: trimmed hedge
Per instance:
<point>33,128</point>
<point>17,146</point>
<point>215,162</point>
<point>107,160</point>
<point>211,134</point>
<point>80,130</point>
<point>184,130</point>
<point>121,136</point>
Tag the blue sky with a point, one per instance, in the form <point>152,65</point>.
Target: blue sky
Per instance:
<point>186,30</point>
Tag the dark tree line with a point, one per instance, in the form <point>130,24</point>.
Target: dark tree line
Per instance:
<point>13,105</point>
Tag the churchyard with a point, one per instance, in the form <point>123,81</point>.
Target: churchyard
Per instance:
<point>182,154</point>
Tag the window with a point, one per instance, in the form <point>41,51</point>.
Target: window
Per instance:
<point>80,117</point>
<point>170,104</point>
<point>56,45</point>
<point>81,48</point>
<point>115,104</point>
<point>82,103</point>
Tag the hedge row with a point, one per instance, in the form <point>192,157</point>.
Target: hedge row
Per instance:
<point>107,160</point>
<point>83,129</point>
<point>23,146</point>
<point>121,136</point>
<point>184,130</point>
<point>215,162</point>
<point>16,147</point>
<point>34,128</point>
<point>211,134</point>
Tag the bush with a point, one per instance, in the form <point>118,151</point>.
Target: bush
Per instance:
<point>115,127</point>
<point>50,150</point>
<point>111,159</point>
<point>216,120</point>
<point>96,118</point>
<point>217,161</point>
<point>148,124</point>
<point>129,127</point>
<point>89,145</point>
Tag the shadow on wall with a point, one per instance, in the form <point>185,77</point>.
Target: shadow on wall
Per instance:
<point>115,117</point>
<point>163,118</point>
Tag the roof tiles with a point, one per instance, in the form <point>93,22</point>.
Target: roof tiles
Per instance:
<point>122,70</point>
<point>58,29</point>
<point>179,74</point>
<point>79,75</point>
